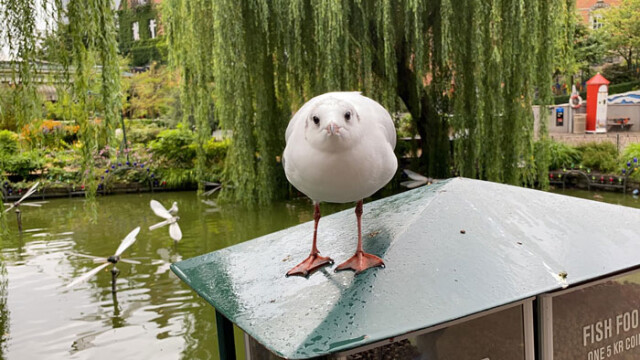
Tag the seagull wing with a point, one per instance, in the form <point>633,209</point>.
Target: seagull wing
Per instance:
<point>87,275</point>
<point>128,241</point>
<point>160,210</point>
<point>174,232</point>
<point>415,176</point>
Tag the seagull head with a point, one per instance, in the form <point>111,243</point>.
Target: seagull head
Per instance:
<point>332,124</point>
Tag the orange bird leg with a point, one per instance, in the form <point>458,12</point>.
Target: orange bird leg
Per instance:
<point>314,261</point>
<point>361,261</point>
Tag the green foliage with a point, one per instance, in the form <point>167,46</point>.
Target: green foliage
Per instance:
<point>140,133</point>
<point>174,147</point>
<point>153,93</point>
<point>145,50</point>
<point>7,109</point>
<point>8,142</point>
<point>630,152</point>
<point>567,20</point>
<point>92,30</point>
<point>619,73</point>
<point>268,57</point>
<point>216,151</point>
<point>622,33</point>
<point>600,156</point>
<point>18,19</point>
<point>624,87</point>
<point>178,177</point>
<point>563,155</point>
<point>590,48</point>
<point>22,164</point>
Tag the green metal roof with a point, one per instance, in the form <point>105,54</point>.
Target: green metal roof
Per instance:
<point>517,243</point>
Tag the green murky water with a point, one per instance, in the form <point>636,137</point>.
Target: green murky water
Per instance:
<point>154,315</point>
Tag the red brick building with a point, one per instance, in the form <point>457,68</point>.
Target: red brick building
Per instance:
<point>586,10</point>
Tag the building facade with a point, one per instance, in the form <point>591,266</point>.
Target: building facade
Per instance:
<point>140,32</point>
<point>588,11</point>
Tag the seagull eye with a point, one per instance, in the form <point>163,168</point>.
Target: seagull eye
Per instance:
<point>347,115</point>
<point>316,120</point>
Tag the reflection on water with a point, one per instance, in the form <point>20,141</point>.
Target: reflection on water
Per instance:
<point>603,196</point>
<point>153,315</point>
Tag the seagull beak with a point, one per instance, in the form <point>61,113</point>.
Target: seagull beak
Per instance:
<point>333,129</point>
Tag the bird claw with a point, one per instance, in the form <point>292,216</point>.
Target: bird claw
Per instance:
<point>360,262</point>
<point>309,265</point>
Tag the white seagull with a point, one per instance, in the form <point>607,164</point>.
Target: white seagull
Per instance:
<point>339,149</point>
<point>124,245</point>
<point>171,219</point>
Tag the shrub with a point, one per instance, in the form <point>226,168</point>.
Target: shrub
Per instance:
<point>630,152</point>
<point>8,142</point>
<point>49,133</point>
<point>23,164</point>
<point>138,133</point>
<point>174,146</point>
<point>178,178</point>
<point>618,73</point>
<point>562,155</point>
<point>600,156</point>
<point>216,150</point>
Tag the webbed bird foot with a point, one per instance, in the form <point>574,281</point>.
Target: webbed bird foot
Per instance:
<point>309,265</point>
<point>360,262</point>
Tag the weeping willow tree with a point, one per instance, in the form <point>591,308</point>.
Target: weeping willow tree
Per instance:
<point>91,28</point>
<point>191,42</point>
<point>466,71</point>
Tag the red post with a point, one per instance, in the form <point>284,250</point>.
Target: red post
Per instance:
<point>596,121</point>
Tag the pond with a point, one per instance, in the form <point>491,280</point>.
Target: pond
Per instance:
<point>153,315</point>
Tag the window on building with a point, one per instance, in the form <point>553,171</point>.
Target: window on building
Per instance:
<point>136,31</point>
<point>152,28</point>
<point>596,21</point>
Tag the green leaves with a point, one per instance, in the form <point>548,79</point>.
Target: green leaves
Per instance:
<point>266,58</point>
